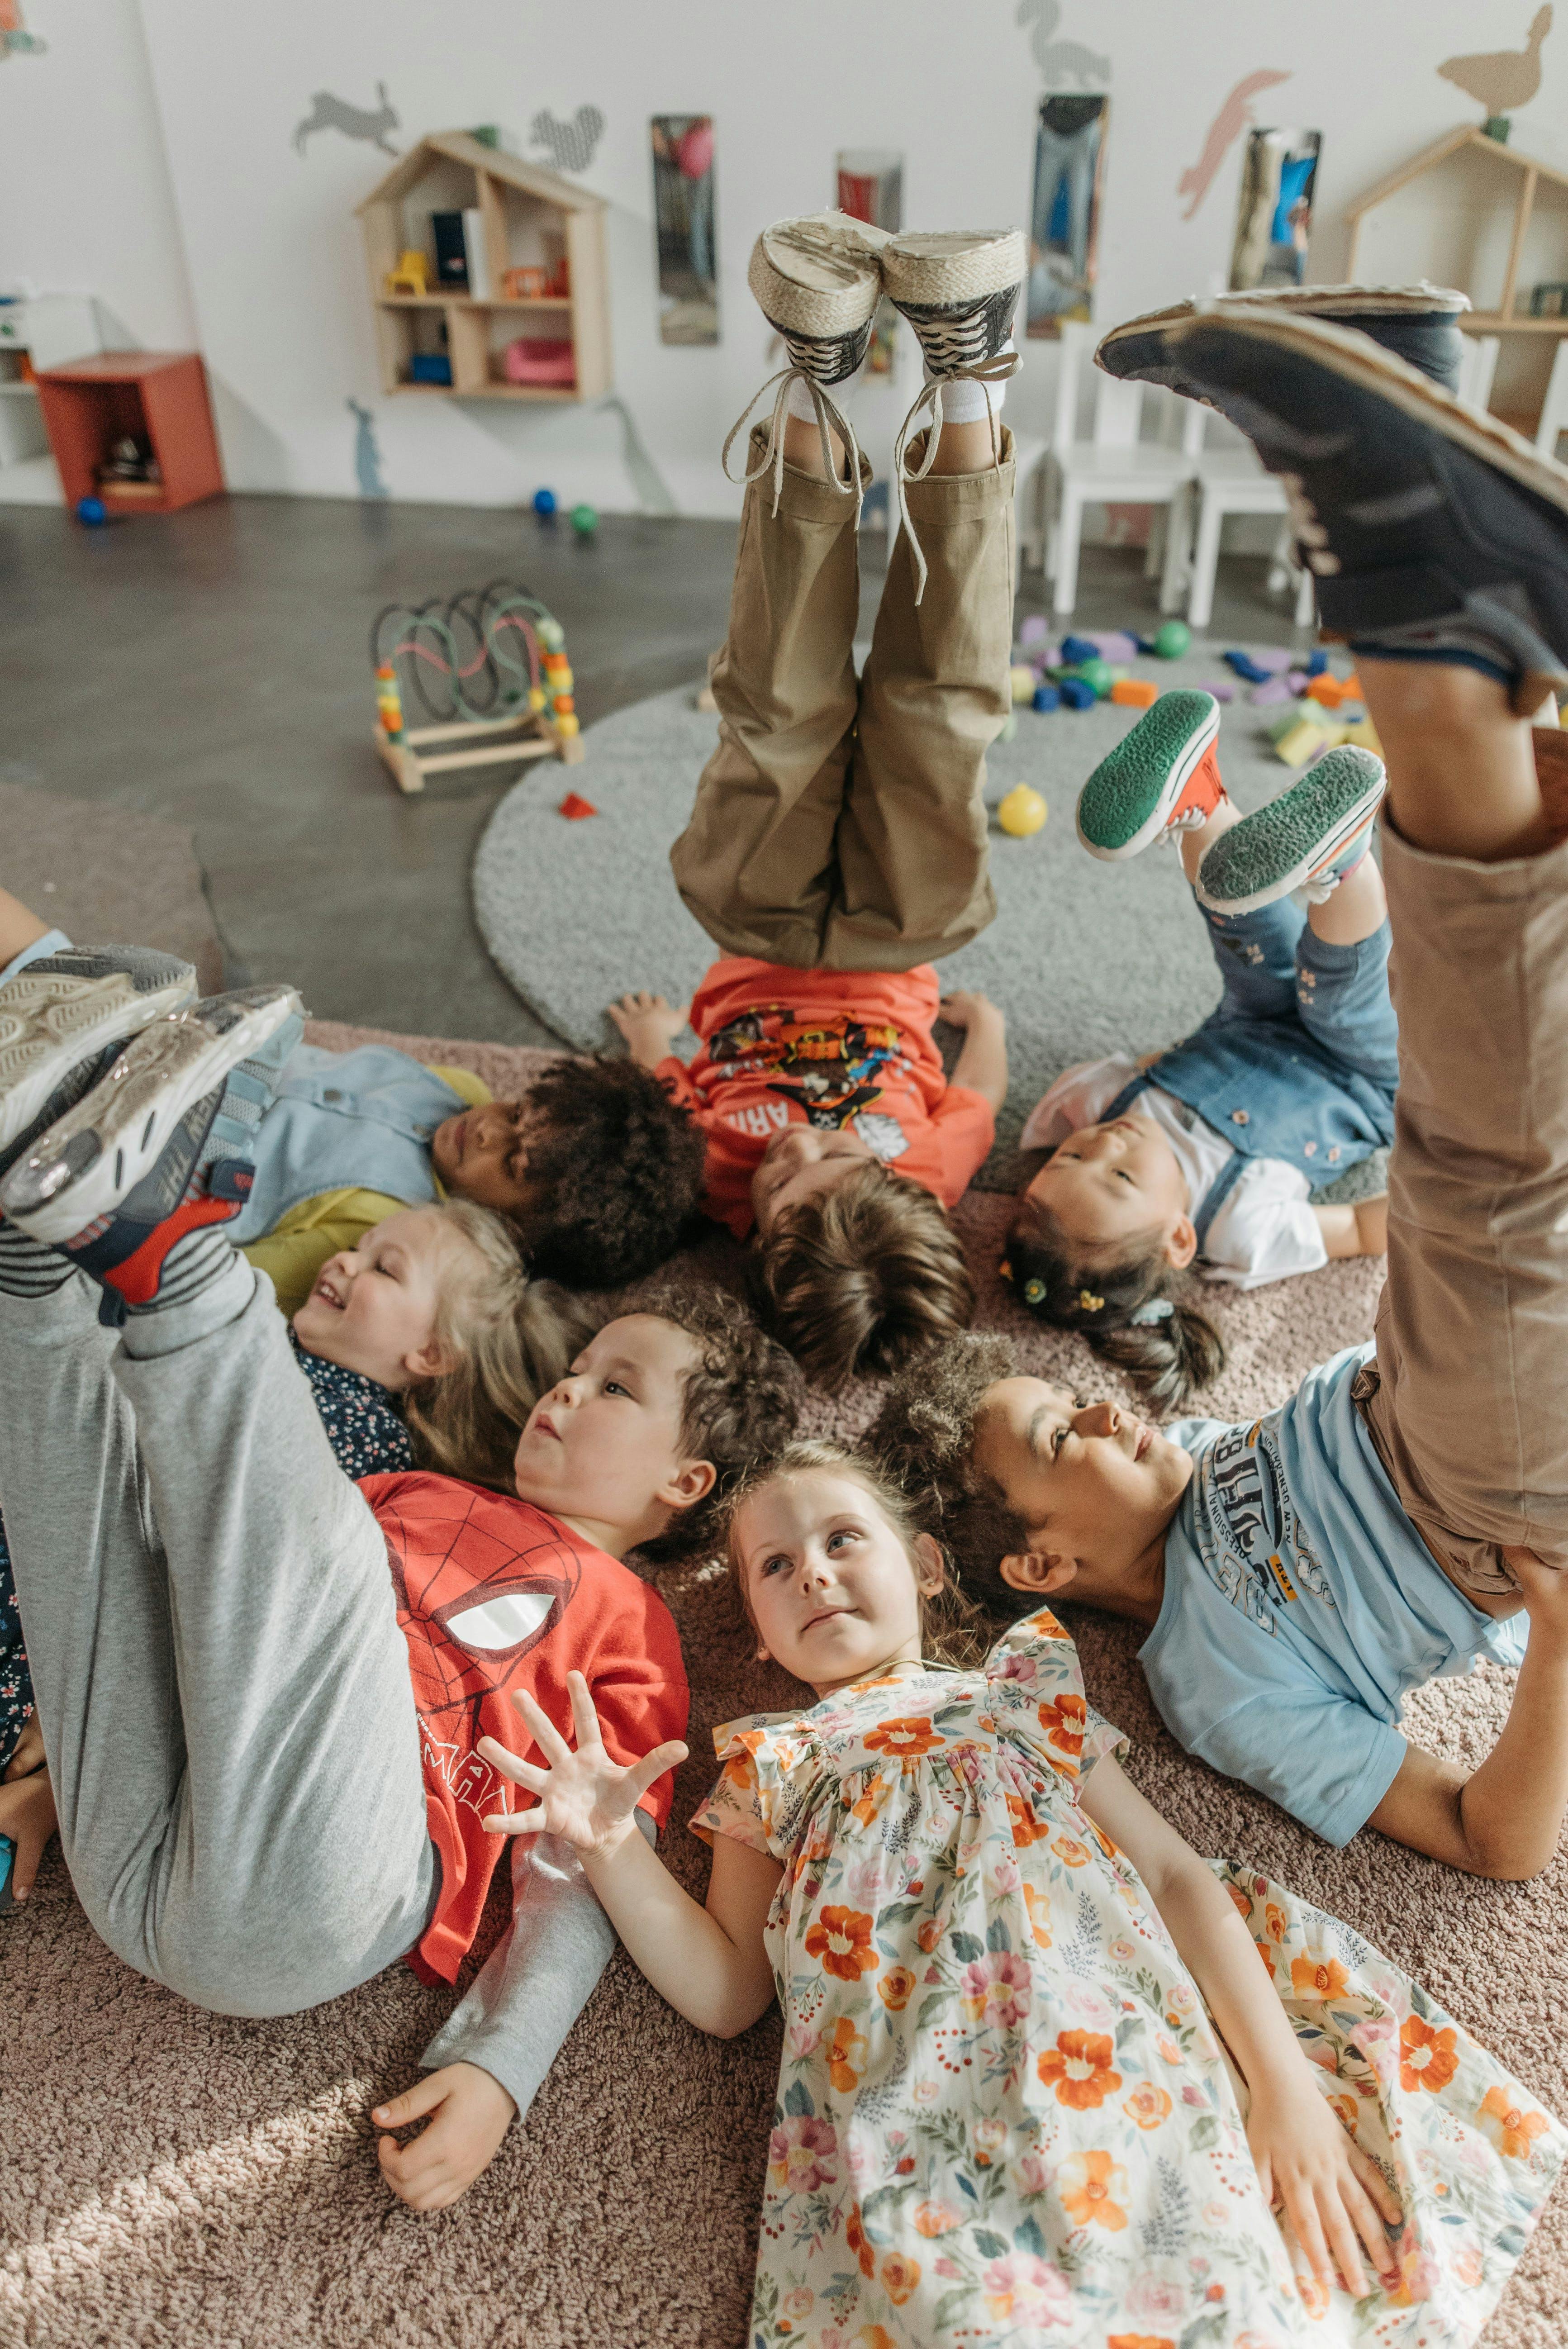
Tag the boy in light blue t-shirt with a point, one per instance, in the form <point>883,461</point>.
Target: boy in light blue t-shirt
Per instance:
<point>1407,1510</point>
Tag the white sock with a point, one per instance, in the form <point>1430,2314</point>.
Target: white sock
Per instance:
<point>800,403</point>
<point>966,402</point>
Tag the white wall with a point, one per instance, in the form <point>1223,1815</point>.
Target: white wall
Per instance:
<point>273,252</point>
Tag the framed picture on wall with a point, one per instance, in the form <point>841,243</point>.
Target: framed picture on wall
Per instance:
<point>1274,220</point>
<point>683,221</point>
<point>871,189</point>
<point>1064,219</point>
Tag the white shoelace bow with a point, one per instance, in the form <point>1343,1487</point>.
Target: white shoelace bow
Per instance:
<point>993,371</point>
<point>828,411</point>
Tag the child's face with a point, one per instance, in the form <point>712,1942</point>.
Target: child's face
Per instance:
<point>482,1154</point>
<point>374,1307</point>
<point>798,1162</point>
<point>827,1580</point>
<point>603,1447</point>
<point>1094,1485</point>
<point>1109,1185</point>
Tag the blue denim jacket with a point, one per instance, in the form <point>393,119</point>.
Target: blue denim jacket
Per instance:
<point>344,1121</point>
<point>1299,1061</point>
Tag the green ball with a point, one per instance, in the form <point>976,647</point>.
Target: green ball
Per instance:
<point>1171,639</point>
<point>585,521</point>
<point>1096,675</point>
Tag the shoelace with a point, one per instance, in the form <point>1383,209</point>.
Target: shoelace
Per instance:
<point>993,371</point>
<point>827,409</point>
<point>1309,533</point>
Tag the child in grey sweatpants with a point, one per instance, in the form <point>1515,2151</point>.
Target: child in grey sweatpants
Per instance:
<point>259,1684</point>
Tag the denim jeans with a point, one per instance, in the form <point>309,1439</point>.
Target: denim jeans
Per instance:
<point>1274,965</point>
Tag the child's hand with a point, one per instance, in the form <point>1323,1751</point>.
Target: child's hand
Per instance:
<point>27,1810</point>
<point>583,1795</point>
<point>473,2114</point>
<point>1331,2191</point>
<point>1544,1590</point>
<point>963,1009</point>
<point>650,1024</point>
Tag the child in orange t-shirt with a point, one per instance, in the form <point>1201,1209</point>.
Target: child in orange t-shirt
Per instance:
<point>839,840</point>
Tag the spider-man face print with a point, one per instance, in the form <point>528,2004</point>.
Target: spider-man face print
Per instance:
<point>475,1613</point>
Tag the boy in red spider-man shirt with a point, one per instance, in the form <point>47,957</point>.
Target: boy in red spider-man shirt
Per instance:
<point>263,1742</point>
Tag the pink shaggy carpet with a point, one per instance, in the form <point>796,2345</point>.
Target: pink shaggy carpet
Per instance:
<point>171,2179</point>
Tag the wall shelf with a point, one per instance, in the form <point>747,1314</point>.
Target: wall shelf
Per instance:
<point>530,218</point>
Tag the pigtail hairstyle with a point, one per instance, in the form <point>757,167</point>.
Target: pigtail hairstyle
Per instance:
<point>508,1339</point>
<point>953,1629</point>
<point>1138,1315</point>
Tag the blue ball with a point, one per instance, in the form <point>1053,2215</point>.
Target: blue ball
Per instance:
<point>1045,697</point>
<point>92,511</point>
<point>545,503</point>
<point>1077,694</point>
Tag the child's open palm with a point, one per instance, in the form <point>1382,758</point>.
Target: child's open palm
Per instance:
<point>586,1795</point>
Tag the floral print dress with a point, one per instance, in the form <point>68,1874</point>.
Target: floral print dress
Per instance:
<point>1003,2115</point>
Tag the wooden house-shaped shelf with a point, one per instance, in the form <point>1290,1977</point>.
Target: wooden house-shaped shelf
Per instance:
<point>533,220</point>
<point>1472,213</point>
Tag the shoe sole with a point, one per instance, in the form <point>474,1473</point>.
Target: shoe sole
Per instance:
<point>50,1024</point>
<point>1359,361</point>
<point>824,315</point>
<point>973,267</point>
<point>1297,300</point>
<point>1158,755</point>
<point>1299,836</point>
<point>91,1159</point>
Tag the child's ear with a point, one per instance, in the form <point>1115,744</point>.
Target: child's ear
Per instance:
<point>1037,1570</point>
<point>1182,1245</point>
<point>930,1565</point>
<point>692,1482</point>
<point>431,1362</point>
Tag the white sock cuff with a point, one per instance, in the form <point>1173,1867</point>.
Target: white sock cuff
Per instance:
<point>800,403</point>
<point>966,402</point>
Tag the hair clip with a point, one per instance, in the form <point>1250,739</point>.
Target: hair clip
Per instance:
<point>1033,1292</point>
<point>1005,1269</point>
<point>1088,1302</point>
<point>1158,1309</point>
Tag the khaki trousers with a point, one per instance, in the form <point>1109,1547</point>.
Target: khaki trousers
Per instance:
<point>839,823</point>
<point>1468,1404</point>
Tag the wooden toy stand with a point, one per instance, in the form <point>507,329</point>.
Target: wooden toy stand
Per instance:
<point>478,743</point>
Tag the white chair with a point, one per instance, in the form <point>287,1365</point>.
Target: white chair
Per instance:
<point>1476,368</point>
<point>1116,467</point>
<point>1555,415</point>
<point>1228,481</point>
<point>1029,454</point>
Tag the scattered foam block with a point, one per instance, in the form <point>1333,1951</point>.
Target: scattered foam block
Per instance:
<point>1272,689</point>
<point>1134,693</point>
<point>1035,630</point>
<point>574,808</point>
<point>1352,685</point>
<point>1297,679</point>
<point>1302,741</point>
<point>1114,644</point>
<point>1023,682</point>
<point>1219,687</point>
<point>1045,697</point>
<point>1363,734</point>
<point>1246,667</point>
<point>1079,648</point>
<point>1316,662</point>
<point>1077,694</point>
<point>1275,660</point>
<point>1282,720</point>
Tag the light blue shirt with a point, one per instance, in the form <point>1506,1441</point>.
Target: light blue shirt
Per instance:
<point>344,1121</point>
<point>1301,1606</point>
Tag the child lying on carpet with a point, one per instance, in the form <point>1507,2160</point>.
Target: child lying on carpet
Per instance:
<point>1298,1575</point>
<point>427,1346</point>
<point>839,839</point>
<point>1005,2105</point>
<point>1204,1155</point>
<point>596,1169</point>
<point>261,1718</point>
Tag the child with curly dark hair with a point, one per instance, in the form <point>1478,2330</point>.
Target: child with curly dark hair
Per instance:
<point>1197,1164</point>
<point>838,844</point>
<point>596,1169</point>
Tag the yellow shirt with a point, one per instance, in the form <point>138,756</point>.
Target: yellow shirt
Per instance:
<point>310,1235</point>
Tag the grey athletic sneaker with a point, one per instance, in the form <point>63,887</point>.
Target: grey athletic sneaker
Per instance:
<point>1307,840</point>
<point>86,1164</point>
<point>63,1018</point>
<point>1419,324</point>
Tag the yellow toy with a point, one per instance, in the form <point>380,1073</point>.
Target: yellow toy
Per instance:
<point>412,275</point>
<point>1023,682</point>
<point>1022,813</point>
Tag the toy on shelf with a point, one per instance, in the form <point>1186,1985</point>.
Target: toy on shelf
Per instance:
<point>525,284</point>
<point>412,275</point>
<point>432,368</point>
<point>1022,813</point>
<point>489,667</point>
<point>532,359</point>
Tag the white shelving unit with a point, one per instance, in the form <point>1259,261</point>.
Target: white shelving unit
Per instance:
<point>45,332</point>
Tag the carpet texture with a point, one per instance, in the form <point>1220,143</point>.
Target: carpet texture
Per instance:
<point>1084,957</point>
<point>172,2180</point>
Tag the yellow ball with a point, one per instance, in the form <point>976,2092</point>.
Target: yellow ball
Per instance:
<point>1023,682</point>
<point>1022,813</point>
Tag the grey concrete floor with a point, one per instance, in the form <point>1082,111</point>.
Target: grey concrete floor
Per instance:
<point>211,667</point>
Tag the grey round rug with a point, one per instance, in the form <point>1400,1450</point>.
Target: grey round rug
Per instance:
<point>1084,957</point>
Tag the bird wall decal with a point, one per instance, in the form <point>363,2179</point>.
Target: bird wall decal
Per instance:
<point>1501,79</point>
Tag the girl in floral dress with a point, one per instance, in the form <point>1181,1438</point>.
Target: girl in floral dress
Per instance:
<point>1037,2085</point>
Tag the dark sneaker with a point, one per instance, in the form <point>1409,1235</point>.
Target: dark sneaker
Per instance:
<point>958,289</point>
<point>1307,840</point>
<point>1418,323</point>
<point>64,1017</point>
<point>1160,780</point>
<point>145,1122</point>
<point>1434,530</point>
